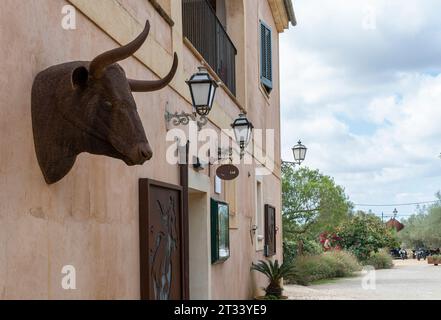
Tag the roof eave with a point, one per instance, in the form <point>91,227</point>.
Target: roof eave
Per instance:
<point>290,11</point>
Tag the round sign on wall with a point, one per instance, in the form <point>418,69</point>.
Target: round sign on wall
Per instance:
<point>227,172</point>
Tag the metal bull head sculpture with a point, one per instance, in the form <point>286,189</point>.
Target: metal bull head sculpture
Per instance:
<point>86,106</point>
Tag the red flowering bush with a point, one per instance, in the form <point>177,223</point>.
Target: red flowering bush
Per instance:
<point>330,241</point>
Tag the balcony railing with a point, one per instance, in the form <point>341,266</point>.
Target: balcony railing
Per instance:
<point>208,36</point>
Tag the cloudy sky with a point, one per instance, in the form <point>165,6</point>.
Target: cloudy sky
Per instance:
<point>361,86</point>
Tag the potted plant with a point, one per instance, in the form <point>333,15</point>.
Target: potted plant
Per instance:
<point>436,260</point>
<point>274,272</point>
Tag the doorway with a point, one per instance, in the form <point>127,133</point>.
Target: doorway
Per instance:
<point>199,236</point>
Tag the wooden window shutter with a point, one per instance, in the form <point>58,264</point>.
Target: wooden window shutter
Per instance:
<point>270,230</point>
<point>266,57</point>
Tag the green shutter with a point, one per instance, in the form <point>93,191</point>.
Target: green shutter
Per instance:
<point>266,68</point>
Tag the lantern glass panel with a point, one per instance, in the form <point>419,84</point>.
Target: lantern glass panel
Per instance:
<point>201,93</point>
<point>242,134</point>
<point>296,152</point>
<point>302,154</point>
<point>212,93</point>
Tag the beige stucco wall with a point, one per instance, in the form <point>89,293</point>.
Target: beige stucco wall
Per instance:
<point>90,218</point>
<point>264,112</point>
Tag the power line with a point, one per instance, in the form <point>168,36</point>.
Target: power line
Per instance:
<point>394,205</point>
<point>398,215</point>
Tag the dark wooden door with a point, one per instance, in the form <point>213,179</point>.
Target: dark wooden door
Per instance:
<point>162,245</point>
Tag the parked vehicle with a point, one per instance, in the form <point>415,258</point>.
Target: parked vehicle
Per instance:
<point>395,253</point>
<point>403,254</point>
<point>398,253</point>
<point>421,254</point>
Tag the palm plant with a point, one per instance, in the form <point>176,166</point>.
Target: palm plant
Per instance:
<point>274,273</point>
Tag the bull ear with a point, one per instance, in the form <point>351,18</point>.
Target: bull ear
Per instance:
<point>79,77</point>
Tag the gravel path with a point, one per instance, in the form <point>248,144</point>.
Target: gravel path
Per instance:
<point>408,280</point>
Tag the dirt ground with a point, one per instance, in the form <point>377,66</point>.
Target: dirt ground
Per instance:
<point>408,280</point>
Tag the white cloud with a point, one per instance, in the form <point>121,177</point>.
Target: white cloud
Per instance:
<point>382,108</point>
<point>366,103</point>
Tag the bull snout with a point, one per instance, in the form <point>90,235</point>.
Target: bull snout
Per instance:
<point>141,153</point>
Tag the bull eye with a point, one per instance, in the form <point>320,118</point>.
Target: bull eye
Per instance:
<point>108,104</point>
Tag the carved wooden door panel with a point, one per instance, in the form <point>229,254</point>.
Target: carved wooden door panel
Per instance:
<point>162,246</point>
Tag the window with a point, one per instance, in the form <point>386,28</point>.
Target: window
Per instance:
<point>270,230</point>
<point>220,231</point>
<point>266,57</point>
<point>204,26</point>
<point>220,9</point>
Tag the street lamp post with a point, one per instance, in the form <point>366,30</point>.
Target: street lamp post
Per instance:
<point>299,153</point>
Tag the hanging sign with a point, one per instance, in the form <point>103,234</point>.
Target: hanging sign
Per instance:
<point>227,172</point>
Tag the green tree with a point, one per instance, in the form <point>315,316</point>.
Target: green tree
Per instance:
<point>365,233</point>
<point>311,203</point>
<point>413,234</point>
<point>424,228</point>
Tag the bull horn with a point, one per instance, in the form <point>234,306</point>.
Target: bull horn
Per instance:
<point>146,86</point>
<point>99,64</point>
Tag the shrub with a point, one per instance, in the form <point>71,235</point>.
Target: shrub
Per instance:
<point>274,272</point>
<point>379,260</point>
<point>365,233</point>
<point>332,264</point>
<point>310,247</point>
<point>436,259</point>
<point>348,259</point>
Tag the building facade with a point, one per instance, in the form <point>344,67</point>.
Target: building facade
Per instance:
<point>110,231</point>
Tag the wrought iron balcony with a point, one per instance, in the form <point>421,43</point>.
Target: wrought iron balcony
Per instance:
<point>207,34</point>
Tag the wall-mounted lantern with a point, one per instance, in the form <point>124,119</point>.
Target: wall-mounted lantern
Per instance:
<point>299,151</point>
<point>243,130</point>
<point>202,90</point>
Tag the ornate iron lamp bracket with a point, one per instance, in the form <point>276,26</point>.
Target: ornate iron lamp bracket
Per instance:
<point>226,153</point>
<point>290,163</point>
<point>183,118</point>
